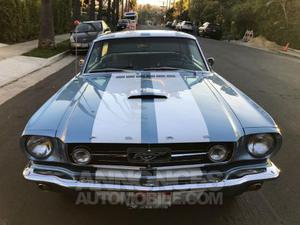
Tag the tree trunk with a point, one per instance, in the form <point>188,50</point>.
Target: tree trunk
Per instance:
<point>122,5</point>
<point>113,12</point>
<point>46,36</point>
<point>283,4</point>
<point>100,10</point>
<point>126,6</point>
<point>92,10</point>
<point>117,10</point>
<point>109,11</point>
<point>76,10</point>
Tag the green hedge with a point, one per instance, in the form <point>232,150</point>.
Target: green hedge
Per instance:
<point>19,19</point>
<point>265,17</point>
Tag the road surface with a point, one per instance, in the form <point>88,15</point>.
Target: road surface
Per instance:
<point>271,80</point>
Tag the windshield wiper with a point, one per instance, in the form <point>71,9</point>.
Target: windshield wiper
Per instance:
<point>162,68</point>
<point>169,68</point>
<point>109,70</point>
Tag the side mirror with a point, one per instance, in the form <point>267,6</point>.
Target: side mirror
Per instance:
<point>211,61</point>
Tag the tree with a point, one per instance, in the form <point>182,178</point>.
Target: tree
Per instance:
<point>122,8</point>
<point>132,4</point>
<point>109,11</point>
<point>92,6</point>
<point>76,9</point>
<point>100,11</point>
<point>46,36</point>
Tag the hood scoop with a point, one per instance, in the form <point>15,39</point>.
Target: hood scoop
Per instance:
<point>148,96</point>
<point>148,93</point>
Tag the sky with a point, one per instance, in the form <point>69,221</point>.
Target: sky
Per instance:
<point>152,2</point>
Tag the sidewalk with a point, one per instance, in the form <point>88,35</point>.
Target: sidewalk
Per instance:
<point>10,90</point>
<point>14,66</point>
<point>20,48</point>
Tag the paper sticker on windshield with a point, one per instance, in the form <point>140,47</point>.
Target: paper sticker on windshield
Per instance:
<point>105,49</point>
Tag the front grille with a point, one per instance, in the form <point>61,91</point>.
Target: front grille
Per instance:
<point>163,154</point>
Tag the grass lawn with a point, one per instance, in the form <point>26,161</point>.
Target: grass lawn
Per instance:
<point>47,53</point>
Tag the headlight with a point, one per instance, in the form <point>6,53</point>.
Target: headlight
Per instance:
<point>72,38</point>
<point>218,153</point>
<point>260,145</point>
<point>39,147</point>
<point>81,156</point>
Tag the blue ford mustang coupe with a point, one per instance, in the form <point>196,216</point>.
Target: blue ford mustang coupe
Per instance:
<point>148,114</point>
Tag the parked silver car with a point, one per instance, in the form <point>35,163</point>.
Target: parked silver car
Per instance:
<point>85,32</point>
<point>186,26</point>
<point>148,114</point>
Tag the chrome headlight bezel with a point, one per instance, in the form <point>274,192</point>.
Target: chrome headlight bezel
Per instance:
<point>32,143</point>
<point>81,150</point>
<point>224,149</point>
<point>261,145</point>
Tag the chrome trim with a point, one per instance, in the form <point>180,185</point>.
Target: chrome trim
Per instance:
<point>189,154</point>
<point>110,155</point>
<point>271,172</point>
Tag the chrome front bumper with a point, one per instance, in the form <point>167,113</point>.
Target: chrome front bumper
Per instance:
<point>232,178</point>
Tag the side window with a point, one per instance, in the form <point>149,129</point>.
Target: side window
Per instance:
<point>98,26</point>
<point>95,55</point>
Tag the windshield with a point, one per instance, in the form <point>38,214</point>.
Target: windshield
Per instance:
<point>133,17</point>
<point>145,53</point>
<point>88,27</point>
<point>123,21</point>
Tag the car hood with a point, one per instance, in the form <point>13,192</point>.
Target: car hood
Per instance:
<point>148,107</point>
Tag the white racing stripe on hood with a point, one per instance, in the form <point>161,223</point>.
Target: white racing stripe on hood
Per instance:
<point>118,120</point>
<point>178,117</point>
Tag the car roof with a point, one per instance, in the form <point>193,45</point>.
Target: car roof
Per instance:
<point>145,33</point>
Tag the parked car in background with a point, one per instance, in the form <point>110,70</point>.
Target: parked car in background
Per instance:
<point>210,30</point>
<point>85,32</point>
<point>169,24</point>
<point>186,26</point>
<point>178,26</point>
<point>123,24</point>
<point>148,114</point>
<point>174,23</point>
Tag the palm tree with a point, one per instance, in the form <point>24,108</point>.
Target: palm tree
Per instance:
<point>92,10</point>
<point>76,9</point>
<point>109,11</point>
<point>47,35</point>
<point>100,10</point>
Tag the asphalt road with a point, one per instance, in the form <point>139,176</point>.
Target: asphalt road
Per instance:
<point>271,80</point>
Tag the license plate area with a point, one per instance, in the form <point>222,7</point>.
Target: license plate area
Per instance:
<point>162,199</point>
<point>148,199</point>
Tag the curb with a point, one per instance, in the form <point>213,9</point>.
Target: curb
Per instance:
<point>57,57</point>
<point>266,50</point>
